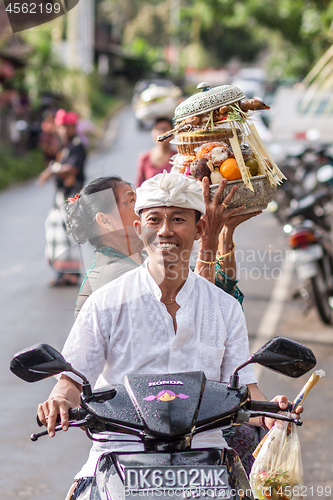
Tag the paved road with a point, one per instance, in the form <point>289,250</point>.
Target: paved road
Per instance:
<point>32,313</point>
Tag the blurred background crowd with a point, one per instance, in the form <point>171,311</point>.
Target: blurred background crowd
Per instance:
<point>154,53</point>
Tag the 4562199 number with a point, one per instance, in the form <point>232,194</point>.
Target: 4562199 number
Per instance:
<point>288,492</point>
<point>33,8</point>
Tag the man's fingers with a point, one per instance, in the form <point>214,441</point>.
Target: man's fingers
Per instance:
<point>229,196</point>
<point>51,422</point>
<point>64,418</point>
<point>252,214</point>
<point>218,195</point>
<point>42,413</point>
<point>205,188</point>
<point>239,219</point>
<point>282,400</point>
<point>235,211</point>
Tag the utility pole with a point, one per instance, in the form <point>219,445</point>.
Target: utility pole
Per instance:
<point>80,36</point>
<point>174,36</point>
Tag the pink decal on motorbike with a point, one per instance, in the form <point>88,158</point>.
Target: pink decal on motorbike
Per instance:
<point>183,396</point>
<point>150,398</point>
<point>166,395</point>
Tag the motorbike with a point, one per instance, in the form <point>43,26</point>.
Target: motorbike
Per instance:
<point>157,100</point>
<point>309,226</point>
<point>164,412</point>
<point>300,169</point>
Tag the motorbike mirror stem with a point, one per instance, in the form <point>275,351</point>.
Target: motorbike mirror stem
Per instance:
<point>234,377</point>
<point>86,387</point>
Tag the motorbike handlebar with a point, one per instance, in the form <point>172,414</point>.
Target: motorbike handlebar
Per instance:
<point>74,414</point>
<point>267,406</point>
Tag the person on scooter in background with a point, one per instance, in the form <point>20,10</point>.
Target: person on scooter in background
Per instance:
<point>48,139</point>
<point>159,318</point>
<point>68,174</point>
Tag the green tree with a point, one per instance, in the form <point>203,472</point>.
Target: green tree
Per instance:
<point>45,72</point>
<point>292,34</point>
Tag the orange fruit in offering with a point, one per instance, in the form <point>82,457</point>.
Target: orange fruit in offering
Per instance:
<point>229,169</point>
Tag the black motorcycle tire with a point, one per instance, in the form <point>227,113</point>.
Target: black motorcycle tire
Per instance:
<point>321,294</point>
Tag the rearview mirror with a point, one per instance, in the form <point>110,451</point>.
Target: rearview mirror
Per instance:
<point>281,355</point>
<point>285,356</point>
<point>38,362</point>
<point>42,361</point>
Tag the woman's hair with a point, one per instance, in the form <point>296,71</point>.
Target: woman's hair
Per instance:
<point>95,197</point>
<point>163,119</point>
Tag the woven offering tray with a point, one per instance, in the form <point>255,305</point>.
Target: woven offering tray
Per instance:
<point>264,192</point>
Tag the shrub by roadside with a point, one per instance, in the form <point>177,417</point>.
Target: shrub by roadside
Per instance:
<point>14,169</point>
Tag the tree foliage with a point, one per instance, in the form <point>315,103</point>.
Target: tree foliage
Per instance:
<point>292,34</point>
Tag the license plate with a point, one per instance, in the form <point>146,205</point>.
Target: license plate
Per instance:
<point>184,482</point>
<point>312,252</point>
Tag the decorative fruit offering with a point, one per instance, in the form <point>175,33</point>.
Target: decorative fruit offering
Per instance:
<point>229,170</point>
<point>219,155</point>
<point>245,150</point>
<point>200,169</point>
<point>216,177</point>
<point>216,138</point>
<point>253,166</point>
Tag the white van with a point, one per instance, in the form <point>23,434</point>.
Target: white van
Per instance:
<point>293,119</point>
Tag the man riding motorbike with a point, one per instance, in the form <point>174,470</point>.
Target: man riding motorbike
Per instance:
<point>158,318</point>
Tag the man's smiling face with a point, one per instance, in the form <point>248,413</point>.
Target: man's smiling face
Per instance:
<point>169,232</point>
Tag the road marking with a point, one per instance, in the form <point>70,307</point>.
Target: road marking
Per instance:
<point>272,315</point>
<point>12,270</point>
<point>110,134</point>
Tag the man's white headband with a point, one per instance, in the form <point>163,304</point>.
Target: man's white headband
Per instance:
<point>169,190</point>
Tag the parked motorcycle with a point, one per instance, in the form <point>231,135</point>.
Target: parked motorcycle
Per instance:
<point>300,169</point>
<point>164,412</point>
<point>311,240</point>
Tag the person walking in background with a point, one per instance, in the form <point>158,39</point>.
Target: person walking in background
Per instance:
<point>48,140</point>
<point>68,174</point>
<point>157,159</point>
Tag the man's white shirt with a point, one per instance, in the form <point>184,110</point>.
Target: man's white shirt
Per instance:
<point>124,328</point>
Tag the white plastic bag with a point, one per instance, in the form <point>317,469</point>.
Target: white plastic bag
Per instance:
<point>277,473</point>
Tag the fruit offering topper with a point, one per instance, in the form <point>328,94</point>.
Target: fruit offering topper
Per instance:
<point>215,137</point>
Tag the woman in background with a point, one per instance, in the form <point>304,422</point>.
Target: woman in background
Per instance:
<point>157,159</point>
